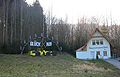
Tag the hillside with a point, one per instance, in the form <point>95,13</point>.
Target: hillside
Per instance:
<point>63,65</point>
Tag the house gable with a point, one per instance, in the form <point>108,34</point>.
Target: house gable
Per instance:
<point>98,44</point>
<point>97,34</point>
<point>98,41</point>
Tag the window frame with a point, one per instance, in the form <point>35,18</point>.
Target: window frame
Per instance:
<point>101,42</point>
<point>97,42</point>
<point>93,42</point>
<point>104,53</point>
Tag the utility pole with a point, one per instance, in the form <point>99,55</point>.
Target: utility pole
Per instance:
<point>21,26</point>
<point>21,21</point>
<point>3,22</point>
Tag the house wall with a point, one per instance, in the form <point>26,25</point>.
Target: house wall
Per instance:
<point>92,49</point>
<point>82,55</point>
<point>91,52</point>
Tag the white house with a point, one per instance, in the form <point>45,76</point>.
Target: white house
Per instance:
<point>97,47</point>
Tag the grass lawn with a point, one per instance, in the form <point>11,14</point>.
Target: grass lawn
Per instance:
<point>63,65</point>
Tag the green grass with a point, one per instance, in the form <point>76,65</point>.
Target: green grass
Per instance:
<point>63,65</point>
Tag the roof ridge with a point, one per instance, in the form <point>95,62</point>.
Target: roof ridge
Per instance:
<point>97,29</point>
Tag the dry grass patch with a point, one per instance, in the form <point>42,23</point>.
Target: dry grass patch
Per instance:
<point>63,65</point>
<point>90,68</point>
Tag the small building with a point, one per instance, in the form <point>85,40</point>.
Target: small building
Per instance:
<point>98,47</point>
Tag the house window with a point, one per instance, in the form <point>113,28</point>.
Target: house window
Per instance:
<point>105,53</point>
<point>93,42</point>
<point>98,52</point>
<point>97,42</point>
<point>101,42</point>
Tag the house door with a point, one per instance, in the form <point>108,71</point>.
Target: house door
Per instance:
<point>98,55</point>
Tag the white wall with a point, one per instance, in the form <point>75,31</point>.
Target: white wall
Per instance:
<point>92,49</point>
<point>101,48</point>
<point>82,55</point>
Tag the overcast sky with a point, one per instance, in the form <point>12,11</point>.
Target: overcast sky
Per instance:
<point>75,9</point>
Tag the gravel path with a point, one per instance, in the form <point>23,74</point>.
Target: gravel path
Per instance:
<point>115,62</point>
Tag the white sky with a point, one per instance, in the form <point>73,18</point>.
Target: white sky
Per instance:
<point>75,9</point>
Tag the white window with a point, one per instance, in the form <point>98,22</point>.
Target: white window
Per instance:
<point>105,53</point>
<point>93,42</point>
<point>101,42</point>
<point>97,42</point>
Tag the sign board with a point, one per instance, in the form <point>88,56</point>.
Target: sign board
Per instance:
<point>48,43</point>
<point>31,43</point>
<point>34,43</point>
<point>37,44</point>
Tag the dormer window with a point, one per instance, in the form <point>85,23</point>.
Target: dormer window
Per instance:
<point>97,42</point>
<point>101,42</point>
<point>93,42</point>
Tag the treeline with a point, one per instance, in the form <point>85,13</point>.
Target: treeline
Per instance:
<point>74,36</point>
<point>18,22</point>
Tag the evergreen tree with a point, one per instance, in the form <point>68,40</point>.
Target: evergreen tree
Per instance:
<point>18,21</point>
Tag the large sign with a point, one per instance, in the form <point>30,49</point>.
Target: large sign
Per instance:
<point>98,47</point>
<point>37,44</point>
